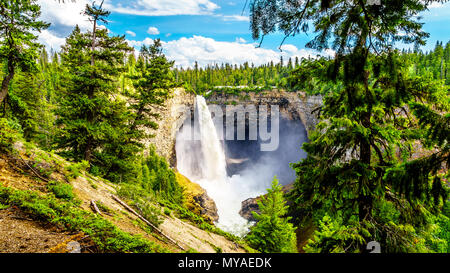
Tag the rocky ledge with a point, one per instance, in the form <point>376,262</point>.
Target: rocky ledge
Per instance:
<point>196,199</point>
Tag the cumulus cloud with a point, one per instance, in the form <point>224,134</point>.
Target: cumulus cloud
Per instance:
<point>51,41</point>
<point>137,44</point>
<point>207,51</point>
<point>131,33</point>
<point>64,16</point>
<point>152,31</point>
<point>239,18</point>
<point>164,7</point>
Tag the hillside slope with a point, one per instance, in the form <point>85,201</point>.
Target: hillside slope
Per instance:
<point>34,175</point>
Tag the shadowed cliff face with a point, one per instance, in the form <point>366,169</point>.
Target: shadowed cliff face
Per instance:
<point>265,165</point>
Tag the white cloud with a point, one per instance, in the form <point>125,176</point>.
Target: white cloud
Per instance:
<point>164,7</point>
<point>289,48</point>
<point>63,18</point>
<point>238,18</point>
<point>131,33</point>
<point>435,5</point>
<point>67,14</point>
<point>152,31</point>
<point>51,41</point>
<point>240,40</point>
<point>207,51</point>
<point>137,44</point>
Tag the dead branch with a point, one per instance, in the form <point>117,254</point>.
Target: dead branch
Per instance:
<point>146,221</point>
<point>33,170</point>
<point>94,206</point>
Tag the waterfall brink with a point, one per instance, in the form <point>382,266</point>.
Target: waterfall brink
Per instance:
<point>203,161</point>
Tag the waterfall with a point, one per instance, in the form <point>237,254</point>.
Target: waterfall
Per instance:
<point>212,150</point>
<point>203,161</point>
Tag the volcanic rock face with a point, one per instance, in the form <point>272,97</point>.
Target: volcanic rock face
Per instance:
<point>292,105</point>
<point>171,119</point>
<point>208,207</point>
<point>248,206</point>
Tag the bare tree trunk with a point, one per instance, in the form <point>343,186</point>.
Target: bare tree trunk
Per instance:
<point>5,83</point>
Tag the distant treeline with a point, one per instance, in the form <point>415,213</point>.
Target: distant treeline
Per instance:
<point>249,77</point>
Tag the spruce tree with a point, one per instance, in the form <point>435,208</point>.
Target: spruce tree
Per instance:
<point>91,113</point>
<point>153,82</point>
<point>272,233</point>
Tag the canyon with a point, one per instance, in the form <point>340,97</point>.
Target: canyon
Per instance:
<point>294,108</point>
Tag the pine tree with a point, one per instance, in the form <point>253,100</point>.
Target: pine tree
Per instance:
<point>18,46</point>
<point>273,233</point>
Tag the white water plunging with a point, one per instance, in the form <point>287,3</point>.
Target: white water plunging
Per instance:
<point>205,164</point>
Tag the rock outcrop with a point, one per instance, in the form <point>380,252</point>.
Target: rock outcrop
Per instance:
<point>251,205</point>
<point>171,119</point>
<point>248,206</point>
<point>196,199</point>
<point>292,105</point>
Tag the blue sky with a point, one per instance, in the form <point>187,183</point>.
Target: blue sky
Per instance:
<point>210,31</point>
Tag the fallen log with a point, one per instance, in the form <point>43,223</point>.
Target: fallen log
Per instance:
<point>146,221</point>
<point>33,170</point>
<point>94,206</point>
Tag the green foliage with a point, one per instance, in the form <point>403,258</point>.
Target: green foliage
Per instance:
<point>75,169</point>
<point>233,79</point>
<point>273,233</point>
<point>155,182</point>
<point>102,207</point>
<point>159,178</point>
<point>8,135</point>
<point>19,26</point>
<point>90,118</point>
<point>332,237</point>
<point>66,215</point>
<point>61,190</point>
<point>142,201</point>
<point>167,212</point>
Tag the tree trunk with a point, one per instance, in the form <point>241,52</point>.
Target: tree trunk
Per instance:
<point>5,83</point>
<point>88,151</point>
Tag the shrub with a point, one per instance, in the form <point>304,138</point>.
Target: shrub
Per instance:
<point>75,169</point>
<point>61,190</point>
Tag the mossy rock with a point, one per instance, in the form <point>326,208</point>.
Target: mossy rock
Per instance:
<point>197,200</point>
